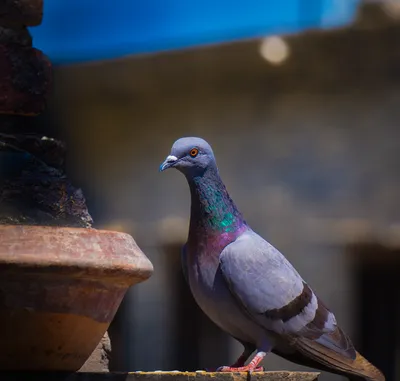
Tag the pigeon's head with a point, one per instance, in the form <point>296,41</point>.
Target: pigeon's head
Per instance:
<point>191,156</point>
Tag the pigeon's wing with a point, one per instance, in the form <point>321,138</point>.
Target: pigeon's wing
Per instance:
<point>326,334</point>
<point>266,285</point>
<point>184,263</point>
<point>275,296</point>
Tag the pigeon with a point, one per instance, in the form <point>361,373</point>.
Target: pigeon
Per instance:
<point>247,287</point>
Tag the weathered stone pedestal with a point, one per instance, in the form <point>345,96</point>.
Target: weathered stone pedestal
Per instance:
<point>162,376</point>
<point>61,282</point>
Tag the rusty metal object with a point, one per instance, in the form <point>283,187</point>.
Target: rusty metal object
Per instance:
<point>59,290</point>
<point>25,80</point>
<point>14,13</point>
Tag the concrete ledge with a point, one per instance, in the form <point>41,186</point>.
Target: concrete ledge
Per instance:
<point>160,376</point>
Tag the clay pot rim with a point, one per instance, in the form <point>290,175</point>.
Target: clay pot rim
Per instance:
<point>72,252</point>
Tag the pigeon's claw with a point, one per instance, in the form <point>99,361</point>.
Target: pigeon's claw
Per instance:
<point>253,366</point>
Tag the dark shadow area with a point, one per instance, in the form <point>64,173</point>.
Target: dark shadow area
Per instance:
<point>118,358</point>
<point>377,274</point>
<point>186,351</point>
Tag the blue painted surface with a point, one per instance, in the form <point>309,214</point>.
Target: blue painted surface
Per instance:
<point>86,30</point>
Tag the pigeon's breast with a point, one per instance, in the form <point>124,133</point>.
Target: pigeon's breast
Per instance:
<point>213,296</point>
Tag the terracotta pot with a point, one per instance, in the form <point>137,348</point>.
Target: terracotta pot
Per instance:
<point>59,290</point>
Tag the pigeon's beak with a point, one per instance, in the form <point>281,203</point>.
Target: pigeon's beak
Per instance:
<point>168,162</point>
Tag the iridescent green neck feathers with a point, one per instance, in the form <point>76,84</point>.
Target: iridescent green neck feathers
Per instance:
<point>212,209</point>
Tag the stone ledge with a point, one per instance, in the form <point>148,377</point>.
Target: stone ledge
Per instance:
<point>158,376</point>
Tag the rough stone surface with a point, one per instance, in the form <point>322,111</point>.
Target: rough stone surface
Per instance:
<point>163,376</point>
<point>21,12</point>
<point>34,189</point>
<point>50,151</point>
<point>208,376</point>
<point>100,358</point>
<point>18,36</point>
<point>25,79</point>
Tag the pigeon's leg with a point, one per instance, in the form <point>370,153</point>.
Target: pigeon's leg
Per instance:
<point>243,357</point>
<point>248,350</point>
<point>251,367</point>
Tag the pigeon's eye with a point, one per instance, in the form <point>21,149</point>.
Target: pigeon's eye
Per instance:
<point>193,152</point>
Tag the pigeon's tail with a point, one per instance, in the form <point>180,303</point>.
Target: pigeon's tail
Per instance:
<point>347,362</point>
<point>367,372</point>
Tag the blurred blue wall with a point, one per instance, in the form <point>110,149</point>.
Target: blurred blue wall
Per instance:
<point>87,30</point>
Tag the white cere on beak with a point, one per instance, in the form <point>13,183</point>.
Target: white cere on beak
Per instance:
<point>168,162</point>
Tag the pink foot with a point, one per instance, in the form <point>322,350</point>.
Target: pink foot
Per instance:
<point>251,367</point>
<point>238,363</point>
<point>240,367</point>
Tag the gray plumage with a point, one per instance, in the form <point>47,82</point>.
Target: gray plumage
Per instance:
<point>247,287</point>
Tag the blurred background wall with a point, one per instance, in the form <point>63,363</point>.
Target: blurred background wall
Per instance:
<point>308,147</point>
